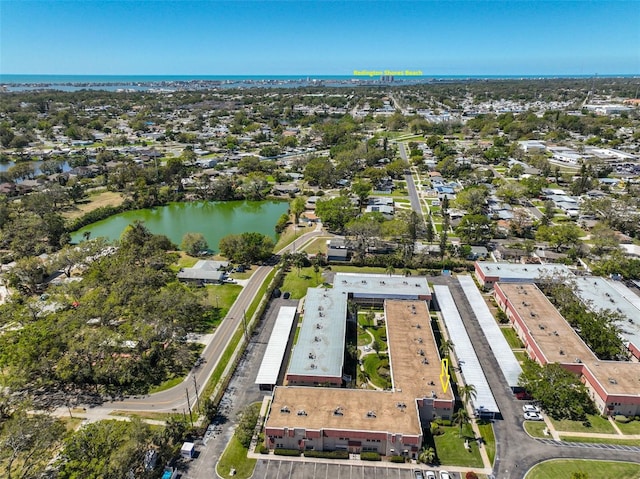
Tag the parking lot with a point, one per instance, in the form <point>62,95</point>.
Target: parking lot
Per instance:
<point>277,469</point>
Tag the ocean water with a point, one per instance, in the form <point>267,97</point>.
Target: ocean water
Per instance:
<point>17,82</point>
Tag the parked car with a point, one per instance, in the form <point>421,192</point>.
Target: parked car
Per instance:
<point>530,408</point>
<point>445,475</point>
<point>430,475</point>
<point>523,396</point>
<point>276,293</point>
<point>286,295</point>
<point>532,416</point>
<point>418,474</point>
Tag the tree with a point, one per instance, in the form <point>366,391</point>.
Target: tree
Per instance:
<point>559,391</point>
<point>603,240</point>
<point>27,443</point>
<point>461,417</point>
<point>361,189</point>
<point>336,212</point>
<point>473,199</point>
<point>246,248</point>
<point>297,207</point>
<point>194,243</point>
<point>475,229</point>
<point>390,270</point>
<point>446,346</point>
<point>467,393</point>
<point>560,236</point>
<point>320,171</point>
<point>427,455</point>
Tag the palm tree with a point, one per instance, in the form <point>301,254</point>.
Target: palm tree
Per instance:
<point>406,272</point>
<point>461,417</point>
<point>468,392</point>
<point>427,455</point>
<point>445,348</point>
<point>390,270</point>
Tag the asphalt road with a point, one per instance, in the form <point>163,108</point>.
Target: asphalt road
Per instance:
<point>411,186</point>
<point>175,398</point>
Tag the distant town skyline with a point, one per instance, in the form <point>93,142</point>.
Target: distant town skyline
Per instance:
<point>272,37</point>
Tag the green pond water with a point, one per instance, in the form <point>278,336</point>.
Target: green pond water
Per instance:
<point>214,219</point>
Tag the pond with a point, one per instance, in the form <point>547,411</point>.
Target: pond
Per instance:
<point>214,219</point>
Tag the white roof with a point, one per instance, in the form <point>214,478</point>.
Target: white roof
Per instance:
<point>507,361</point>
<point>274,354</point>
<point>464,351</point>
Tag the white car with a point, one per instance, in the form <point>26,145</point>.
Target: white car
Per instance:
<point>445,475</point>
<point>430,475</point>
<point>530,408</point>
<point>532,416</point>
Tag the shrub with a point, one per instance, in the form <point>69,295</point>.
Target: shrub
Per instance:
<point>370,456</point>
<point>327,454</point>
<point>397,459</point>
<point>471,475</point>
<point>262,449</point>
<point>286,452</point>
<point>622,419</point>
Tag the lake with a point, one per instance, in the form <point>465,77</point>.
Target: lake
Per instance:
<point>214,219</point>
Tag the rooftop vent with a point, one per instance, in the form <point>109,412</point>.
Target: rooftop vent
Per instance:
<point>562,352</point>
<point>364,281</point>
<point>312,356</point>
<point>613,381</point>
<point>418,326</point>
<point>524,303</point>
<point>425,361</point>
<point>313,366</point>
<point>338,411</point>
<point>318,326</point>
<point>371,414</point>
<point>302,412</point>
<point>421,352</point>
<point>578,360</point>
<point>433,394</point>
<point>401,405</point>
<point>556,333</point>
<point>382,283</point>
<point>316,339</point>
<point>285,409</point>
<point>405,282</point>
<point>420,340</point>
<point>541,326</point>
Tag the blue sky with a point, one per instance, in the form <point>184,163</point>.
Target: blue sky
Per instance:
<point>309,37</point>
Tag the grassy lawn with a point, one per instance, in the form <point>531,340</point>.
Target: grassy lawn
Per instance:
<point>520,355</point>
<point>291,234</point>
<point>157,416</point>
<point>451,451</point>
<point>364,338</point>
<point>93,202</point>
<point>222,296</point>
<point>535,428</point>
<point>375,365</point>
<point>486,430</point>
<point>598,424</point>
<point>600,440</point>
<point>297,282</point>
<point>235,456</point>
<point>367,269</point>
<point>564,468</point>
<point>512,338</point>
<point>318,245</point>
<point>632,427</point>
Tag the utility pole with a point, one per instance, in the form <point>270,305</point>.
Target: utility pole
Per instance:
<point>244,324</point>
<point>189,406</point>
<point>195,386</point>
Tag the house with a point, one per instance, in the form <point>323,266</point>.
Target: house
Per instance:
<point>337,249</point>
<point>478,253</point>
<point>204,271</point>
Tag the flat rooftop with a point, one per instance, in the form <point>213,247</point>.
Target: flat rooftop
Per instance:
<point>602,293</point>
<point>507,361</point>
<point>464,351</point>
<point>522,272</point>
<point>560,343</point>
<point>321,342</point>
<point>382,286</point>
<point>276,349</point>
<point>315,408</point>
<point>414,356</point>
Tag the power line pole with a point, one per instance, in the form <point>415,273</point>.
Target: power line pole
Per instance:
<point>195,386</point>
<point>244,323</point>
<point>189,406</point>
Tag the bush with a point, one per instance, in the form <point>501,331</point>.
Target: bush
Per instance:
<point>286,452</point>
<point>397,459</point>
<point>471,475</point>
<point>327,454</point>
<point>262,449</point>
<point>622,419</point>
<point>370,456</point>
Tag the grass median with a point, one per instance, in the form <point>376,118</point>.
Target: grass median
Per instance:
<point>564,468</point>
